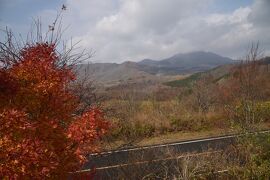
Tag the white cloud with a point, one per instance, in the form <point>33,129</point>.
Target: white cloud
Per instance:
<point>140,29</point>
<point>238,16</point>
<point>120,30</point>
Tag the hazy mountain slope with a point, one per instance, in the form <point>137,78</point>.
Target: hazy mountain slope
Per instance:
<point>112,74</point>
<point>151,71</point>
<point>197,58</point>
<point>219,74</point>
<point>184,63</point>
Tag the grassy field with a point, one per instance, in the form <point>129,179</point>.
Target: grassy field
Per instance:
<point>206,105</point>
<point>186,82</point>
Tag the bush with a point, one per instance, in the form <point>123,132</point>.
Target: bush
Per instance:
<point>247,114</point>
<point>254,161</point>
<point>41,134</point>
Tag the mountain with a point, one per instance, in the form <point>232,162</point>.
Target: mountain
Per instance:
<point>111,74</point>
<point>184,63</point>
<point>148,70</point>
<point>219,74</point>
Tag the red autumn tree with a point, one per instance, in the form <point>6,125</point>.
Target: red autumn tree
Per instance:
<point>41,135</point>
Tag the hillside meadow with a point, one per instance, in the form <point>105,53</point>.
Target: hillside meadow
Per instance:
<point>208,105</point>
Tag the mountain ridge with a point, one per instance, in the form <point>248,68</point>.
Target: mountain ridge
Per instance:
<point>149,70</point>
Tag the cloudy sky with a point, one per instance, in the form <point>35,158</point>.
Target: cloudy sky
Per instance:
<point>120,30</point>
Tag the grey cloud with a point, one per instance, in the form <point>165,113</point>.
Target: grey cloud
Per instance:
<point>160,16</point>
<point>260,13</point>
<point>259,17</point>
<point>136,29</point>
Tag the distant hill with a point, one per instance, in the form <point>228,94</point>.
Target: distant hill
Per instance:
<point>111,74</point>
<point>184,63</point>
<point>219,73</point>
<point>151,70</point>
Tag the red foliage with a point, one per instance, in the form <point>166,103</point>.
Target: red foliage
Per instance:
<point>40,133</point>
<point>8,86</point>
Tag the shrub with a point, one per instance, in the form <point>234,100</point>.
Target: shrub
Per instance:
<point>247,114</point>
<point>41,136</point>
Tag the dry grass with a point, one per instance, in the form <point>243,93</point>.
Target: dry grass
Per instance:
<point>145,122</point>
<point>182,136</point>
<point>169,137</point>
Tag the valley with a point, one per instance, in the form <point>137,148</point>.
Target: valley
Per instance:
<point>154,99</point>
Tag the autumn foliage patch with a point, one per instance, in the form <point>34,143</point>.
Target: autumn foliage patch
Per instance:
<point>41,133</point>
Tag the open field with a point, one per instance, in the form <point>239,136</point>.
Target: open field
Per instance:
<point>158,114</point>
